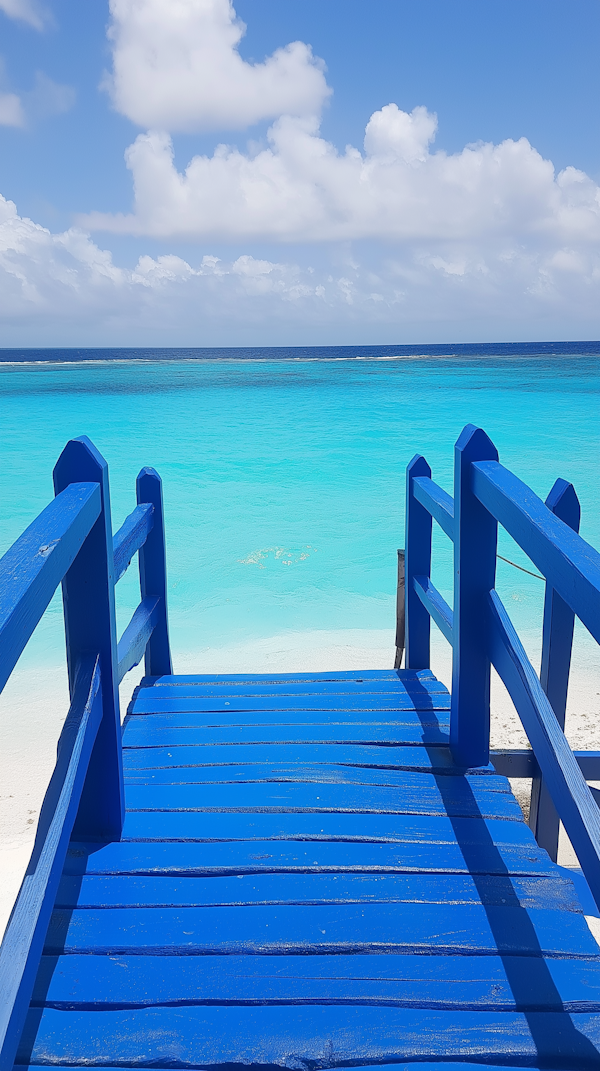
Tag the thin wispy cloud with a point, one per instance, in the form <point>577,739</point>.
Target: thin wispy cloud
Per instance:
<point>28,11</point>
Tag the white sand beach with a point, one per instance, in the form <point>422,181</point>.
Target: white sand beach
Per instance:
<point>33,708</point>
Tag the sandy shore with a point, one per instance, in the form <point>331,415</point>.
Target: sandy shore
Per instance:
<point>33,707</point>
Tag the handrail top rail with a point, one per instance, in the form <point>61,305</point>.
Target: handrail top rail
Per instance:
<point>37,562</point>
<point>565,559</point>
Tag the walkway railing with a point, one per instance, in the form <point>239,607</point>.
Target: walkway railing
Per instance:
<point>481,633</point>
<point>71,542</point>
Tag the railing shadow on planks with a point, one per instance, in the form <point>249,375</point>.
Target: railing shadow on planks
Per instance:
<point>71,542</point>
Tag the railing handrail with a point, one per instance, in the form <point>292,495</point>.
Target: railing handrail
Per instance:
<point>563,557</point>
<point>482,633</point>
<point>71,542</point>
<point>36,563</point>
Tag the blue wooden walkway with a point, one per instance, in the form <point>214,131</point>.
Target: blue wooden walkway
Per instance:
<point>305,877</point>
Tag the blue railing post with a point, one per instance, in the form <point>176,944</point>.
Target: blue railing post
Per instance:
<point>557,644</point>
<point>90,629</point>
<point>417,562</point>
<point>475,539</point>
<point>153,574</point>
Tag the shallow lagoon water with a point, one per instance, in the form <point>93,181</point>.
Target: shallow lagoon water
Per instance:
<point>284,479</point>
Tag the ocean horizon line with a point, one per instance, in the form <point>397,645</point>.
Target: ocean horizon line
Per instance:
<point>37,355</point>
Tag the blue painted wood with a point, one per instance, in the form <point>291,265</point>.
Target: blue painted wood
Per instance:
<point>204,1037</point>
<point>560,554</point>
<point>557,642</point>
<point>436,501</point>
<point>429,834</point>
<point>25,934</point>
<point>320,929</point>
<point>140,732</point>
<point>380,1067</point>
<point>418,794</point>
<point>332,689</point>
<point>143,762</point>
<point>96,891</point>
<point>358,676</point>
<point>448,982</point>
<point>570,793</point>
<point>153,573</point>
<point>417,563</point>
<point>34,566</point>
<point>518,762</point>
<point>475,854</point>
<point>436,605</point>
<point>474,576</point>
<point>379,704</point>
<point>295,770</point>
<point>133,643</point>
<point>131,536</point>
<point>89,611</point>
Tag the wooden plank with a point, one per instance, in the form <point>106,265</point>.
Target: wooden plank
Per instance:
<point>24,938</point>
<point>437,1066</point>
<point>324,929</point>
<point>283,678</point>
<point>424,831</point>
<point>95,891</point>
<point>443,982</point>
<point>560,554</point>
<point>252,857</point>
<point>436,605</point>
<point>557,643</point>
<point>436,501</point>
<point>283,1036</point>
<point>565,781</point>
<point>322,688</point>
<point>153,572</point>
<point>34,566</point>
<point>417,561</point>
<point>475,543</point>
<point>418,794</point>
<point>439,759</point>
<point>145,732</point>
<point>136,636</point>
<point>280,772</point>
<point>132,533</point>
<point>88,592</point>
<point>379,704</point>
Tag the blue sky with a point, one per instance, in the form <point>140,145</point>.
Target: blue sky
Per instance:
<point>466,209</point>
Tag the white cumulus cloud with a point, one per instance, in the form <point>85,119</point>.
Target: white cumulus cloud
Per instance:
<point>176,66</point>
<point>300,188</point>
<point>62,289</point>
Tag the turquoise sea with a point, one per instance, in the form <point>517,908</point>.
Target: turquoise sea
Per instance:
<point>283,470</point>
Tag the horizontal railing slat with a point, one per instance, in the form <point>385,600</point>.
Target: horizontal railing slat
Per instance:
<point>131,536</point>
<point>435,604</point>
<point>132,644</point>
<point>566,783</point>
<point>24,938</point>
<point>34,566</point>
<point>521,762</point>
<point>436,501</point>
<point>570,564</point>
